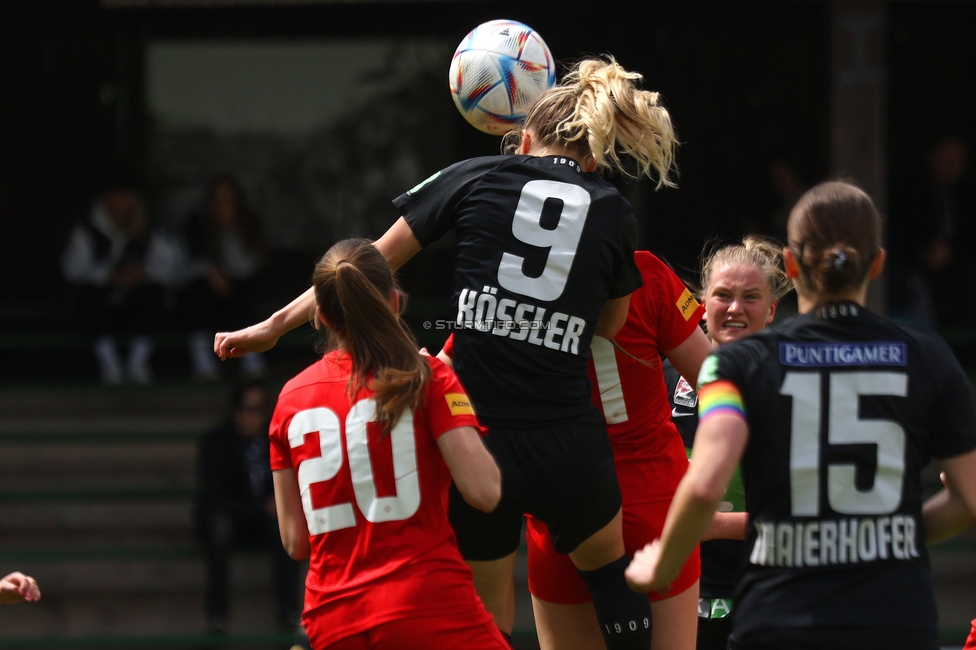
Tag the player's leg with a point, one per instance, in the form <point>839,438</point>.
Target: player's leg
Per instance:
<point>579,500</point>
<point>625,621</point>
<point>561,604</point>
<point>494,580</point>
<point>676,621</point>
<point>488,541</point>
<point>566,627</point>
<point>675,614</point>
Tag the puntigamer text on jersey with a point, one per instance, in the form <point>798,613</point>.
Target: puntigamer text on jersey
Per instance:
<point>520,321</point>
<point>834,541</point>
<point>818,355</point>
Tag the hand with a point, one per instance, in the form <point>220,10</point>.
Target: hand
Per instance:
<point>256,338</point>
<point>16,588</point>
<point>642,573</point>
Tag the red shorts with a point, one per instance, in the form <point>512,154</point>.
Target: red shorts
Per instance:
<point>971,641</point>
<point>433,633</point>
<point>553,576</point>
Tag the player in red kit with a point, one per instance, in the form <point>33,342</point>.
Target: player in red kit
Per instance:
<point>364,445</point>
<point>628,385</point>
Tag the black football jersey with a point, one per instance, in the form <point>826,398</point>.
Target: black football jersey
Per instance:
<point>541,246</point>
<point>720,558</point>
<point>844,410</point>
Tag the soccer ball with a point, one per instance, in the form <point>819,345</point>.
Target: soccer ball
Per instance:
<point>499,69</point>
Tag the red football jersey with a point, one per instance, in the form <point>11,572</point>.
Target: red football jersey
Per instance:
<point>376,506</point>
<point>628,383</point>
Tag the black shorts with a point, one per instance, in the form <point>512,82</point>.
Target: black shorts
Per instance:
<point>562,474</point>
<point>713,634</point>
<point>842,638</point>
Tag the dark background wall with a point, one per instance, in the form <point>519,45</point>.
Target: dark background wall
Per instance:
<point>746,82</point>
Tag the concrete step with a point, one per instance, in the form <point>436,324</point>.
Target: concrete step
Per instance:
<point>83,400</point>
<point>164,574</point>
<point>111,517</point>
<point>142,614</point>
<point>84,465</point>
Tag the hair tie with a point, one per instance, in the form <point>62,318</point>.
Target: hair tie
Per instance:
<point>840,260</point>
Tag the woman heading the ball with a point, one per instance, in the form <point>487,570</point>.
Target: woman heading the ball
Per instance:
<point>833,414</point>
<point>364,445</point>
<point>544,261</point>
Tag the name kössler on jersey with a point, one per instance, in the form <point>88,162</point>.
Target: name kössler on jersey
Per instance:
<point>834,541</point>
<point>519,321</point>
<point>819,355</point>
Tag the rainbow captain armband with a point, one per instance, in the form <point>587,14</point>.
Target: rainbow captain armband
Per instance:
<point>720,398</point>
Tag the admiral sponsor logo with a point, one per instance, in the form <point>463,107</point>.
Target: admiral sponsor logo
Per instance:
<point>819,355</point>
<point>459,404</point>
<point>686,304</point>
<point>835,541</point>
<point>519,321</point>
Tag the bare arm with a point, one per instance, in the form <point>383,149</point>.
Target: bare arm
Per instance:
<point>727,525</point>
<point>687,358</point>
<point>952,510</point>
<point>612,317</point>
<point>397,245</point>
<point>291,516</point>
<point>719,443</point>
<point>473,469</point>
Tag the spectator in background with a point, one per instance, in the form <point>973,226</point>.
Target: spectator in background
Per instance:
<point>225,252</point>
<point>931,233</point>
<point>118,265</point>
<point>236,504</point>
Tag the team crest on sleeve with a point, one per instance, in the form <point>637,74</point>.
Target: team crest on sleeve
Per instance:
<point>686,304</point>
<point>459,404</point>
<point>684,394</point>
<point>709,370</point>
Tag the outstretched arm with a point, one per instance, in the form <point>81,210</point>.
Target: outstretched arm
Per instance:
<point>16,588</point>
<point>397,245</point>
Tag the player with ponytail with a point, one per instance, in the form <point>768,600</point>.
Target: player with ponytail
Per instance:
<point>833,415</point>
<point>545,261</point>
<point>364,446</point>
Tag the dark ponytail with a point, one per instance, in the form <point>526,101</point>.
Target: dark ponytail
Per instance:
<point>353,283</point>
<point>834,233</point>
